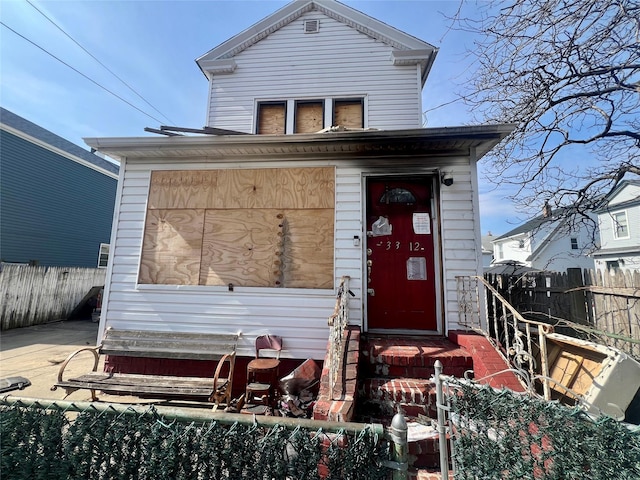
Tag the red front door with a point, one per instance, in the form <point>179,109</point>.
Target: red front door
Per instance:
<point>400,255</point>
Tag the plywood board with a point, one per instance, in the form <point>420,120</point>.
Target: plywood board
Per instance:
<point>574,367</point>
<point>303,188</point>
<point>348,113</point>
<point>271,119</point>
<point>247,188</point>
<point>172,247</point>
<point>183,189</point>
<point>242,247</point>
<point>309,117</point>
<point>308,248</point>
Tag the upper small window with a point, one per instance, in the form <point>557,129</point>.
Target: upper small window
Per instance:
<point>620,225</point>
<point>348,113</point>
<point>574,244</point>
<point>398,195</point>
<point>309,116</point>
<point>272,117</point>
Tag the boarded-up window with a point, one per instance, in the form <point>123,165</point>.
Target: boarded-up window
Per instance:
<point>309,116</point>
<point>348,113</point>
<point>249,227</point>
<point>272,117</point>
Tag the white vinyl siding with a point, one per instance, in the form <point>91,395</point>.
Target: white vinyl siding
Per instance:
<point>298,315</point>
<point>459,227</point>
<point>338,62</point>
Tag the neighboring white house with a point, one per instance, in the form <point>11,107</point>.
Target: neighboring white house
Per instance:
<point>487,250</point>
<point>546,243</point>
<point>253,231</point>
<point>619,226</point>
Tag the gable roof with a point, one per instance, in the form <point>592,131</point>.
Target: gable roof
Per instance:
<point>22,127</point>
<point>531,225</point>
<point>615,191</point>
<point>408,49</point>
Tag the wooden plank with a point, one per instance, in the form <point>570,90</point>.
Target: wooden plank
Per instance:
<point>247,188</point>
<point>183,189</point>
<point>172,247</point>
<point>242,247</point>
<point>309,117</point>
<point>144,384</point>
<point>306,188</point>
<point>308,248</point>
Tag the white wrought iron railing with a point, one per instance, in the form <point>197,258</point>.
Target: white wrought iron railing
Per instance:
<point>338,322</point>
<point>520,341</point>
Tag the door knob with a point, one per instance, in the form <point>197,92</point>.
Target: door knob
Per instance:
<point>371,292</point>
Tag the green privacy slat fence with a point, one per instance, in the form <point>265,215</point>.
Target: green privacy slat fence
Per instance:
<point>51,444</point>
<point>502,435</point>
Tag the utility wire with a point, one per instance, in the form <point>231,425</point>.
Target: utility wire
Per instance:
<point>80,73</point>
<point>102,64</point>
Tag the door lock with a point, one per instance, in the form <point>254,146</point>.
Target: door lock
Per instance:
<point>371,292</point>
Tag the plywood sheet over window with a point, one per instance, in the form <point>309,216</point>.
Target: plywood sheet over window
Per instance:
<point>249,227</point>
<point>309,117</point>
<point>272,118</point>
<point>308,248</point>
<point>172,247</point>
<point>348,113</point>
<point>243,247</point>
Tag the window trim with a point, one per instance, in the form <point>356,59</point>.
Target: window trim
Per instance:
<point>328,105</point>
<point>262,103</point>
<point>347,99</point>
<point>615,224</point>
<point>321,101</point>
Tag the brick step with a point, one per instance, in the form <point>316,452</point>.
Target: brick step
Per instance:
<point>411,357</point>
<point>383,397</point>
<point>426,474</point>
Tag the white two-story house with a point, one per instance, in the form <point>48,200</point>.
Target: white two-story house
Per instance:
<point>547,243</point>
<point>619,225</point>
<point>312,166</point>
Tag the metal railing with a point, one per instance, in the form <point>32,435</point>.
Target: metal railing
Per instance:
<point>518,340</point>
<point>338,322</point>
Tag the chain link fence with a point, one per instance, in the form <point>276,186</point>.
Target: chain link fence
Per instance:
<point>505,435</point>
<point>47,442</point>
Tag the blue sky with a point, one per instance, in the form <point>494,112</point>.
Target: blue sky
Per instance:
<point>152,45</point>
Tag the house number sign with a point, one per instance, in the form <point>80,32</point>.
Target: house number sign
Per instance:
<point>397,245</point>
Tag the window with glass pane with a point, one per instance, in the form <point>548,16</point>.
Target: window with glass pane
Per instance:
<point>620,225</point>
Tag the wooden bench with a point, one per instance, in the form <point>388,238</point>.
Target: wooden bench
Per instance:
<point>169,345</point>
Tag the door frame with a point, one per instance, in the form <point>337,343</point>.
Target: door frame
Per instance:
<point>437,254</point>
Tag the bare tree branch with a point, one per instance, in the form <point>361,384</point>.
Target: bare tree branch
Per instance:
<point>567,74</point>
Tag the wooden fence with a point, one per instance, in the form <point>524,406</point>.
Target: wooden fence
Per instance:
<point>36,295</point>
<point>594,301</point>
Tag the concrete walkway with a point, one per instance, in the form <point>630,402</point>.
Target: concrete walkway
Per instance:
<point>37,352</point>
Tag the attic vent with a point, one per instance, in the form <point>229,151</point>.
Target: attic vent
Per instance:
<point>311,26</point>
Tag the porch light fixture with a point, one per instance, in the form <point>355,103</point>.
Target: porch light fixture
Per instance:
<point>447,179</point>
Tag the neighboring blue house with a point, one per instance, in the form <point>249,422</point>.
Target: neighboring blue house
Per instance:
<point>56,198</point>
